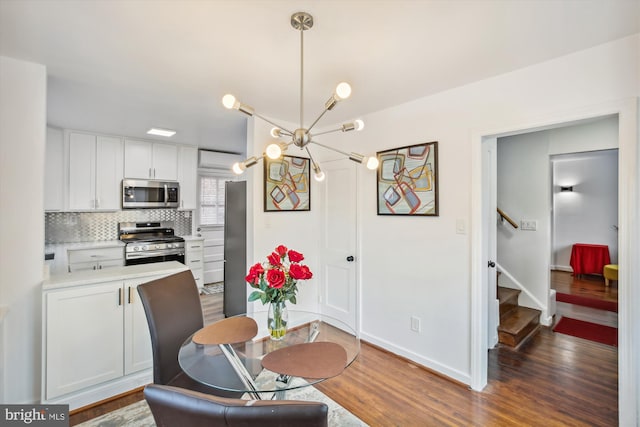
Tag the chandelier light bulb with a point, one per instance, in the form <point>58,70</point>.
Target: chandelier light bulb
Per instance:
<point>372,163</point>
<point>359,125</point>
<point>273,151</point>
<point>229,101</point>
<point>343,90</point>
<point>276,132</point>
<point>238,168</point>
<point>319,176</point>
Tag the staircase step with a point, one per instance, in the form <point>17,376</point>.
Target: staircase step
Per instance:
<point>516,325</point>
<point>508,299</point>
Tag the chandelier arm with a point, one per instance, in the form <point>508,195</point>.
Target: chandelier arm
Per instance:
<point>328,131</point>
<point>313,162</point>
<point>270,122</point>
<point>317,120</point>
<point>356,157</point>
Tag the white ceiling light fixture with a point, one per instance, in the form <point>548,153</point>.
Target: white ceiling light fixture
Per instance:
<point>302,136</point>
<point>161,132</point>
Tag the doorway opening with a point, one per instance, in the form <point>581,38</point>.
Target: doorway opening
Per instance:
<point>626,111</point>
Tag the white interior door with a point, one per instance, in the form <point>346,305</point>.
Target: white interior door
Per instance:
<point>489,204</point>
<point>338,289</point>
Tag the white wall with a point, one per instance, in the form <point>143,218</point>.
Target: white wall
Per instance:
<point>419,265</point>
<point>524,193</point>
<point>589,213</point>
<point>22,145</point>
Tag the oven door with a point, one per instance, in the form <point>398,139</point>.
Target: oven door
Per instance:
<point>151,257</point>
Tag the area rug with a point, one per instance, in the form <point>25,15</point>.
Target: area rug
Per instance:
<point>139,415</point>
<point>587,302</point>
<point>587,330</point>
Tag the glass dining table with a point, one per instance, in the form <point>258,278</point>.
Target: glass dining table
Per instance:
<point>314,348</point>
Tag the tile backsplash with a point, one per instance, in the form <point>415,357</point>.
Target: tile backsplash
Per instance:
<point>73,227</point>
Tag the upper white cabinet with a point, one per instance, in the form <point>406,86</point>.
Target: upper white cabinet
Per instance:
<point>150,160</point>
<point>188,176</point>
<point>54,170</point>
<point>95,172</point>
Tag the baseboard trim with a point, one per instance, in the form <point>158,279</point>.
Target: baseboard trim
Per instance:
<point>103,392</point>
<point>436,368</point>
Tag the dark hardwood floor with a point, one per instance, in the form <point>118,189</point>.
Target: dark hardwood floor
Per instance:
<point>553,380</point>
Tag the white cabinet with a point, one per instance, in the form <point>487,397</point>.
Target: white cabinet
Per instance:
<point>194,259</point>
<point>54,170</point>
<point>150,160</point>
<point>96,340</point>
<point>95,258</point>
<point>137,342</point>
<point>188,176</point>
<point>95,172</point>
<point>84,344</point>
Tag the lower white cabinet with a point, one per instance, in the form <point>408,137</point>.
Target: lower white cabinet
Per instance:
<point>95,258</point>
<point>194,259</point>
<point>137,342</point>
<point>96,341</point>
<point>84,330</point>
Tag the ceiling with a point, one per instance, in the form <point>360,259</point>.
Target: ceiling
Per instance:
<point>121,67</point>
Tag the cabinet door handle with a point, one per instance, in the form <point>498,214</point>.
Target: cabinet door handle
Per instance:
<point>130,294</point>
<point>120,296</point>
<point>195,247</point>
<point>150,176</point>
<point>195,260</point>
<point>154,172</point>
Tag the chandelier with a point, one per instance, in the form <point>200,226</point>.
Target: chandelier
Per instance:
<point>302,136</point>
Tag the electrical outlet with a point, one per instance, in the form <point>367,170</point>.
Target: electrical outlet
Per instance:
<point>528,224</point>
<point>415,324</point>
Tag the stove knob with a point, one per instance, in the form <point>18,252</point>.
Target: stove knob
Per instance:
<point>145,247</point>
<point>157,246</point>
<point>171,245</point>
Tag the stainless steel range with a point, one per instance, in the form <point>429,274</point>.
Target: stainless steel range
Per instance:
<point>148,242</point>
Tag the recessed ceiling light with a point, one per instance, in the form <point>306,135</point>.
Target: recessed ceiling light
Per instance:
<point>161,132</point>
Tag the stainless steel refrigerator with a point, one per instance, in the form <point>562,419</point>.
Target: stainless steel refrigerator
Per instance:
<point>235,248</point>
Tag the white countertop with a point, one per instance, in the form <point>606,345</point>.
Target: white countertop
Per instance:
<point>96,244</point>
<point>64,280</point>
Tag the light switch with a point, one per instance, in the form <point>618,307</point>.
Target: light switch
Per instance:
<point>528,225</point>
<point>461,226</point>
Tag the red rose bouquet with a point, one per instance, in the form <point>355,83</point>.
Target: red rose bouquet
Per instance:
<point>276,280</point>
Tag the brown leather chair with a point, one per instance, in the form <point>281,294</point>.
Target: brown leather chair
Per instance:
<point>172,406</point>
<point>173,310</point>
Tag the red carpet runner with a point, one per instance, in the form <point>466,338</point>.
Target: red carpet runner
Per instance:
<point>587,330</point>
<point>587,302</point>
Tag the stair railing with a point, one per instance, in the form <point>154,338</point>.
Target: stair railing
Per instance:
<point>504,216</point>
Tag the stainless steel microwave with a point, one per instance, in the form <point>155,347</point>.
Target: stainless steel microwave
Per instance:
<point>144,194</point>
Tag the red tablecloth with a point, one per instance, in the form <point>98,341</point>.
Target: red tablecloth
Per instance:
<point>589,259</point>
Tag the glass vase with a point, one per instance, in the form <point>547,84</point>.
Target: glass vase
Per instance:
<point>277,320</point>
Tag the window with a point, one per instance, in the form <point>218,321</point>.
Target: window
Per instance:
<point>212,199</point>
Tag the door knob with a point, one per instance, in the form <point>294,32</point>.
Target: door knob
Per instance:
<point>350,258</point>
<point>492,264</point>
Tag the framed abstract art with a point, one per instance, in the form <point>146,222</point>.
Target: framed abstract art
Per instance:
<point>286,184</point>
<point>408,180</point>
